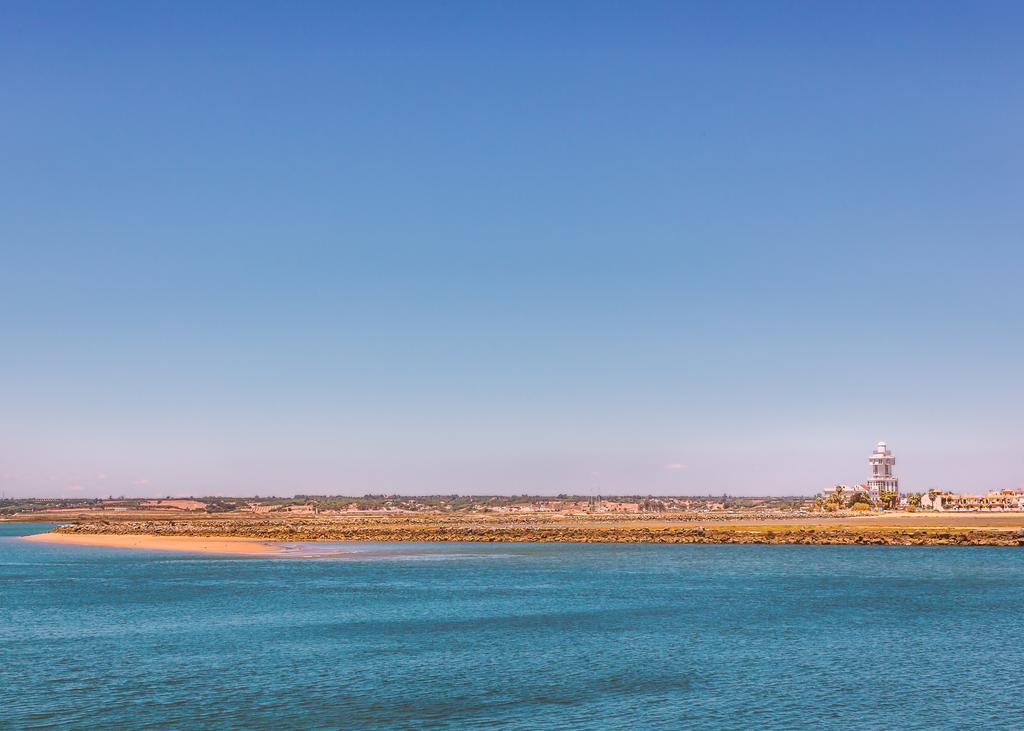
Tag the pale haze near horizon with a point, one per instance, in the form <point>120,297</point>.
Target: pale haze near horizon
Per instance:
<point>393,248</point>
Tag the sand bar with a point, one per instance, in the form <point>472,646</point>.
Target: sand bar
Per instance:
<point>192,544</point>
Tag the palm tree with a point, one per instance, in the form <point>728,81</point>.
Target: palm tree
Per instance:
<point>839,495</point>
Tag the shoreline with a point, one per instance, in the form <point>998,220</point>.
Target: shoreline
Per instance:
<point>249,536</point>
<point>233,545</point>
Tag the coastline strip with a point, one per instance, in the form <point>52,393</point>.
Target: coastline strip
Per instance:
<point>316,530</point>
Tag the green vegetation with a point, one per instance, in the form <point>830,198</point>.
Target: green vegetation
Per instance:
<point>859,498</point>
<point>890,500</point>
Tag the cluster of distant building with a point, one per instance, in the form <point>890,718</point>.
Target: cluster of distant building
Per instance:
<point>883,489</point>
<point>1010,499</point>
<point>560,506</point>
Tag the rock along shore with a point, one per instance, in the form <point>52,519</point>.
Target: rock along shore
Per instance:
<point>397,530</point>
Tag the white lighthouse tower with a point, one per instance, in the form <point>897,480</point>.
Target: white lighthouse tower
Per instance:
<point>882,479</point>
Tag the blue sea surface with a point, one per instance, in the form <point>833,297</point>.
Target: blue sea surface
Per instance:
<point>527,636</point>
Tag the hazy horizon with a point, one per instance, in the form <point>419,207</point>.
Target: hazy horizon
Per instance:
<point>531,248</point>
<point>957,478</point>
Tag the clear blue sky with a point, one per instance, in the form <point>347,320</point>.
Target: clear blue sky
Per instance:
<point>254,248</point>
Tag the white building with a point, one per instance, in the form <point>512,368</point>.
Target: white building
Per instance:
<point>843,492</point>
<point>882,479</point>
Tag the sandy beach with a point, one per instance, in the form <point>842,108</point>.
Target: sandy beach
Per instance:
<point>190,544</point>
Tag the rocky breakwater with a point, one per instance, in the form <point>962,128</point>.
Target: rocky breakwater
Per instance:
<point>392,529</point>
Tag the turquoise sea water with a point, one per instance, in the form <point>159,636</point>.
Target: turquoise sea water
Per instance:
<point>535,636</point>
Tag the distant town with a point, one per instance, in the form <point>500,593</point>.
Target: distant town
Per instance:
<point>880,492</point>
<point>342,505</point>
